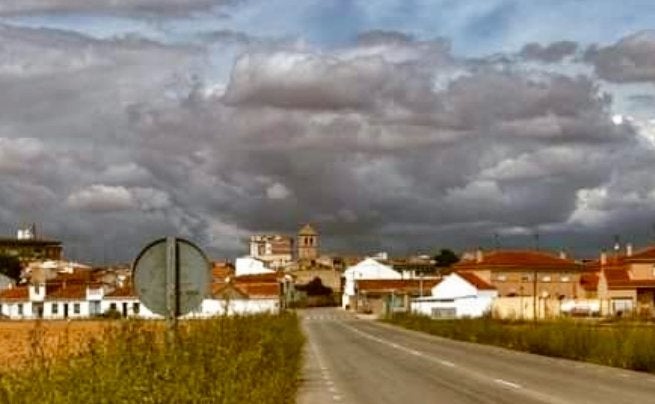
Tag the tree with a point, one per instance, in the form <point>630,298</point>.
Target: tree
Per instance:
<point>10,266</point>
<point>315,287</point>
<point>446,258</point>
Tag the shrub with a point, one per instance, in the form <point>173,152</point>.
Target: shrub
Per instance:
<point>249,359</point>
<point>621,344</point>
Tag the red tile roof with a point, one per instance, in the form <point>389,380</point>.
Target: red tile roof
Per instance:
<point>396,285</point>
<point>15,293</point>
<point>258,278</point>
<point>260,290</point>
<point>77,276</point>
<point>68,292</point>
<point>122,292</point>
<point>475,281</point>
<point>620,279</point>
<point>221,270</point>
<point>646,254</point>
<point>248,290</point>
<point>518,259</point>
<point>589,281</point>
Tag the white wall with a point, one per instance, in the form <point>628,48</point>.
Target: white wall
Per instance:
<point>368,269</point>
<point>456,293</point>
<point>208,308</point>
<point>218,307</point>
<point>250,266</point>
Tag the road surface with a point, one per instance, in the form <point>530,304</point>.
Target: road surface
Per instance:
<point>350,360</point>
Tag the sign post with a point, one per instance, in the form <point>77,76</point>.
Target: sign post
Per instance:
<point>171,276</point>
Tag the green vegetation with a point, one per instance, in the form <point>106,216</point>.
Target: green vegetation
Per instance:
<point>621,344</point>
<point>446,258</point>
<point>250,359</point>
<point>10,266</point>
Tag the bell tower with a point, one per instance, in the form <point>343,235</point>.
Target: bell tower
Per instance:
<point>307,243</point>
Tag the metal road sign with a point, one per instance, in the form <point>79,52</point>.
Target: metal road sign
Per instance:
<point>171,276</point>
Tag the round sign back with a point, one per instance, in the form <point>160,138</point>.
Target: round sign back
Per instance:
<point>171,276</point>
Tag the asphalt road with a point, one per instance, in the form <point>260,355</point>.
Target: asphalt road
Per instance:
<point>350,360</point>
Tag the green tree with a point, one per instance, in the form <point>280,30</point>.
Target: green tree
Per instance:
<point>10,266</point>
<point>446,258</point>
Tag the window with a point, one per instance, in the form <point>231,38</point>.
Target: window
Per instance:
<point>546,278</point>
<point>112,306</point>
<point>501,277</point>
<point>54,308</point>
<point>76,308</point>
<point>621,306</point>
<point>135,308</point>
<point>565,278</point>
<point>20,309</point>
<point>526,277</point>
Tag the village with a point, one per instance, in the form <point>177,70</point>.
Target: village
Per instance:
<point>282,272</point>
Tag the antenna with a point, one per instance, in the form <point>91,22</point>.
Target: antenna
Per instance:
<point>617,243</point>
<point>496,241</point>
<point>536,241</point>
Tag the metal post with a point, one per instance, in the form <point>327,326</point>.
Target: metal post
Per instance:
<point>172,307</point>
<point>534,295</point>
<point>421,284</point>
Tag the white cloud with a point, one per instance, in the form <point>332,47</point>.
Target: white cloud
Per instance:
<point>102,198</point>
<point>277,191</point>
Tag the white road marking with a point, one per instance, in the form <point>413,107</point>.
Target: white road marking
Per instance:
<point>508,384</point>
<point>325,373</point>
<point>400,347</point>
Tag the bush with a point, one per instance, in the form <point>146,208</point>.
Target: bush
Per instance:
<point>250,359</point>
<point>620,344</point>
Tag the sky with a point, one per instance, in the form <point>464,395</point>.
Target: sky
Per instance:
<point>401,126</point>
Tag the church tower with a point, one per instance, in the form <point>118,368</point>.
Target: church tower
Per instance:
<point>307,243</point>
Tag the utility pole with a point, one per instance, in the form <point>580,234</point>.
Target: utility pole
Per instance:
<point>534,294</point>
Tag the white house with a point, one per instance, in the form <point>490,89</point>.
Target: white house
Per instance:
<point>368,269</point>
<point>250,266</point>
<point>243,298</point>
<point>458,295</point>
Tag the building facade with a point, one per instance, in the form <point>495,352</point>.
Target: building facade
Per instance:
<point>308,243</point>
<point>274,249</point>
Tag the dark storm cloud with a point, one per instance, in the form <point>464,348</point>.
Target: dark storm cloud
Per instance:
<point>376,143</point>
<point>551,53</point>
<point>632,59</point>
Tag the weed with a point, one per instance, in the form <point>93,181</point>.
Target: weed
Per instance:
<point>621,344</point>
<point>246,359</point>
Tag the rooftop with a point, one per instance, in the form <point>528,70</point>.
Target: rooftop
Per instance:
<point>307,230</point>
<point>518,259</point>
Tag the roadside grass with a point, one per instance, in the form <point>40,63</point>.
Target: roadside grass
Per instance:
<point>622,344</point>
<point>248,359</point>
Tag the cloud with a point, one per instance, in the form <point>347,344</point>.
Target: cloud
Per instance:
<point>101,198</point>
<point>306,81</point>
<point>551,53</point>
<point>387,142</point>
<point>632,59</point>
<point>376,37</point>
<point>20,154</point>
<point>277,191</point>
<point>128,7</point>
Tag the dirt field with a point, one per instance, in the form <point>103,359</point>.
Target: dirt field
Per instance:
<point>21,340</point>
